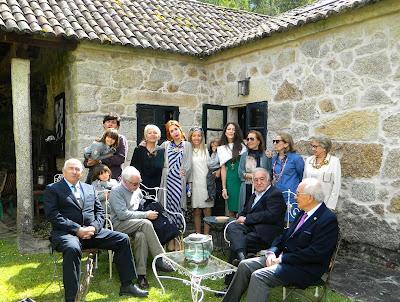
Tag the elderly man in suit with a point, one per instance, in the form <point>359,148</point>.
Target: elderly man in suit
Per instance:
<point>298,257</point>
<point>261,220</point>
<point>77,218</point>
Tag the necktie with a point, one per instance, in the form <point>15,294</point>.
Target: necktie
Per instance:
<point>77,195</point>
<point>301,222</point>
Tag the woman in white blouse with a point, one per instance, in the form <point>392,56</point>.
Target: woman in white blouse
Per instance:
<point>325,167</point>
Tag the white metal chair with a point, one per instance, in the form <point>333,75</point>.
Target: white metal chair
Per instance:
<point>156,197</point>
<point>291,211</point>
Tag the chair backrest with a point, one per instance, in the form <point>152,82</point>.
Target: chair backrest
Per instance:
<point>10,185</point>
<point>334,255</point>
<point>58,177</point>
<point>3,177</point>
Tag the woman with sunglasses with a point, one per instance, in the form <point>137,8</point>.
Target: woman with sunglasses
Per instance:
<point>253,158</point>
<point>287,170</point>
<point>325,167</point>
<point>148,158</point>
<point>201,204</point>
<point>176,173</point>
<point>229,156</point>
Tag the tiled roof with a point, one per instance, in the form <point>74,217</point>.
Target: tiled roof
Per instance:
<point>187,27</point>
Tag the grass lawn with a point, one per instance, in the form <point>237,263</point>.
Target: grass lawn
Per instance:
<point>31,276</point>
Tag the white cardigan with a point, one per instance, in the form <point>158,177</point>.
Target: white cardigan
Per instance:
<point>330,177</point>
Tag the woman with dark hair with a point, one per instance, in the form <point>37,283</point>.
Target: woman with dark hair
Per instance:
<point>253,158</point>
<point>176,173</point>
<point>229,156</point>
<point>287,170</point>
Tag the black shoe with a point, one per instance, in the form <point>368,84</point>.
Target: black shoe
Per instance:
<point>163,267</point>
<point>142,282</point>
<point>223,292</point>
<point>240,257</point>
<point>132,290</point>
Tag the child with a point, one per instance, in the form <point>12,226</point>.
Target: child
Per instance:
<point>213,166</point>
<point>104,147</point>
<point>102,182</point>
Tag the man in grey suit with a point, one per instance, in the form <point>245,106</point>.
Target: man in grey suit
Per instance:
<point>299,257</point>
<point>77,218</point>
<point>126,216</point>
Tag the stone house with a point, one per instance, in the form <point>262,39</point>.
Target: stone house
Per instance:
<point>330,68</point>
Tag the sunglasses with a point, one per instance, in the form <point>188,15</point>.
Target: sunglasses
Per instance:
<point>251,139</point>
<point>276,141</point>
<point>196,129</point>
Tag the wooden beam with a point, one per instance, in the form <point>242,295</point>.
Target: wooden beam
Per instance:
<point>32,40</point>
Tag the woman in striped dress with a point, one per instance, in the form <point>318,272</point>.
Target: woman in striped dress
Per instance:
<point>176,173</point>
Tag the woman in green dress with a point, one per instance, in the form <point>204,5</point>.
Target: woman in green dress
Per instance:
<point>229,156</point>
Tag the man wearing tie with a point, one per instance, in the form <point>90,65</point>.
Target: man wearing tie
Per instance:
<point>77,219</point>
<point>299,257</point>
<point>261,220</point>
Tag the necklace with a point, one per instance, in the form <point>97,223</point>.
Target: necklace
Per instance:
<point>316,165</point>
<point>277,176</point>
<point>196,150</point>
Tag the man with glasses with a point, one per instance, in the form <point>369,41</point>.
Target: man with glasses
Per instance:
<point>125,201</point>
<point>299,257</point>
<point>261,220</point>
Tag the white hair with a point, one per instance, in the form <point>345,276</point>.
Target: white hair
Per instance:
<point>265,171</point>
<point>151,127</point>
<point>313,187</point>
<point>130,171</point>
<point>72,161</point>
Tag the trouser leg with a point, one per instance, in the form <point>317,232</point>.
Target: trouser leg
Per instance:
<point>261,281</point>
<point>236,234</point>
<point>241,278</point>
<point>141,252</point>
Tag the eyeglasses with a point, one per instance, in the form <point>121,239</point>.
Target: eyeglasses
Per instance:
<point>276,141</point>
<point>259,179</point>
<point>135,184</point>
<point>196,129</point>
<point>251,139</point>
<point>301,193</point>
<point>314,146</point>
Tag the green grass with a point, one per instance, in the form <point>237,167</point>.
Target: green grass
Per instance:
<point>32,276</point>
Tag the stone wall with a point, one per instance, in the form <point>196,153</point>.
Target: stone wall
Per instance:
<point>338,77</point>
<point>343,82</point>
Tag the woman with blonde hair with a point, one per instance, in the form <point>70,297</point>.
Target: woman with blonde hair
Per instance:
<point>201,204</point>
<point>287,170</point>
<point>176,173</point>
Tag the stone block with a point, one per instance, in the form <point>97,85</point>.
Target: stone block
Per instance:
<point>376,43</point>
<point>313,86</point>
<point>391,126</point>
<point>342,43</point>
<point>279,116</point>
<point>346,58</point>
<point>127,78</point>
<point>391,166</point>
<point>306,111</point>
<point>94,73</point>
<point>108,95</point>
<point>349,100</point>
<point>288,91</point>
<point>85,96</point>
<point>88,125</point>
<point>394,206</point>
<point>190,87</point>
<point>378,209</point>
<point>363,191</point>
<point>118,108</point>
<point>253,71</point>
<point>375,96</point>
<point>266,66</point>
<point>172,87</point>
<point>286,57</point>
<point>311,48</point>
<point>343,82</point>
<point>153,85</point>
<point>230,77</point>
<point>326,106</point>
<point>376,66</point>
<point>357,125</point>
<point>160,75</point>
<point>192,72</point>
<point>158,98</point>
<point>359,160</point>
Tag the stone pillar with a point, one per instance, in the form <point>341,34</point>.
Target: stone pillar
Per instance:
<point>20,83</point>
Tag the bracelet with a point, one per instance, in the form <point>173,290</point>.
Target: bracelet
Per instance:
<point>223,190</point>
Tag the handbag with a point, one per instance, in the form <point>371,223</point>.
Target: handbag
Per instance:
<point>165,229</point>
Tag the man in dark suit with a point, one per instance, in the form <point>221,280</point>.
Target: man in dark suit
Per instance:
<point>261,220</point>
<point>298,257</point>
<point>77,218</point>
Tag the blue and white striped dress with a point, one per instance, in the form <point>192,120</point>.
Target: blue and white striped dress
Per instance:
<point>174,182</point>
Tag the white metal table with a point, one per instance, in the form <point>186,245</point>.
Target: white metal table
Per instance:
<point>214,269</point>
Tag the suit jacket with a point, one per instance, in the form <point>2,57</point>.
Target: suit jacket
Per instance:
<point>267,216</point>
<point>64,212</point>
<point>307,252</point>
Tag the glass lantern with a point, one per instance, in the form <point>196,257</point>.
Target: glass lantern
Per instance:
<point>198,248</point>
